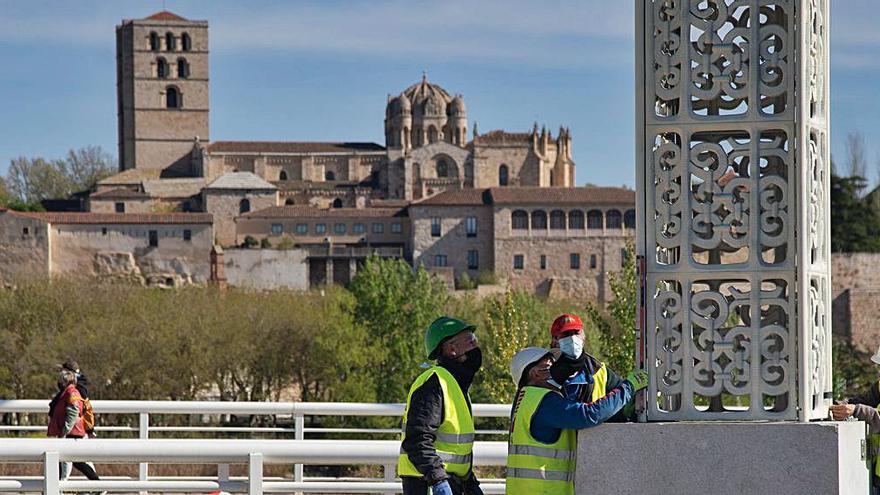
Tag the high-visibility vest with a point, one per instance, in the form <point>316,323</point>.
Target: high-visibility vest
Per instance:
<point>600,380</point>
<point>455,436</point>
<point>874,441</point>
<point>535,467</point>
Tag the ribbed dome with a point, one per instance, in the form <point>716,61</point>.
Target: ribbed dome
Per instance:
<point>457,107</point>
<point>398,105</point>
<point>421,92</point>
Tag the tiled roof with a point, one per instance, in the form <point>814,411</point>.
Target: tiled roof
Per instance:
<point>131,176</point>
<point>117,218</point>
<point>165,15</point>
<point>532,195</point>
<point>296,211</point>
<point>291,147</point>
<point>240,180</point>
<point>458,197</point>
<point>563,195</point>
<point>119,193</point>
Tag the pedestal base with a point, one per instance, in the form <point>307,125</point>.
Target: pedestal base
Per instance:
<point>723,458</point>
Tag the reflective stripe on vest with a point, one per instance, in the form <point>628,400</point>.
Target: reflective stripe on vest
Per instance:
<point>874,444</point>
<point>600,380</point>
<point>534,466</point>
<point>455,436</point>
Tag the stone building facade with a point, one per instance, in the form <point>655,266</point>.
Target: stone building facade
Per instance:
<point>546,241</point>
<point>235,194</point>
<point>156,248</point>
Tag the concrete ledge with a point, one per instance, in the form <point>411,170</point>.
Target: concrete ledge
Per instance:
<point>773,458</point>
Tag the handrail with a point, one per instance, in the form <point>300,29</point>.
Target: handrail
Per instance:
<point>231,407</point>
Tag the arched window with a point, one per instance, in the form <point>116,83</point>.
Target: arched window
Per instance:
<point>329,175</point>
<point>432,134</point>
<point>186,42</point>
<point>539,219</point>
<point>503,175</point>
<point>170,42</point>
<point>629,219</point>
<point>244,206</point>
<point>594,219</point>
<point>442,168</point>
<point>576,219</point>
<point>519,220</point>
<point>282,175</point>
<point>161,68</point>
<point>613,219</point>
<point>557,219</point>
<point>337,203</point>
<point>173,98</point>
<point>154,41</point>
<point>182,68</point>
<point>289,201</point>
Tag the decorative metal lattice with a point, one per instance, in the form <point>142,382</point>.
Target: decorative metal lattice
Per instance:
<point>734,226</point>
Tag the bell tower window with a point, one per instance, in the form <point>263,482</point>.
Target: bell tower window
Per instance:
<point>170,42</point>
<point>173,98</point>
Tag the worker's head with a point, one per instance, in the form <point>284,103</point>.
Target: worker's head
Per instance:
<point>70,365</point>
<point>66,378</point>
<point>567,334</point>
<point>453,340</point>
<point>531,366</point>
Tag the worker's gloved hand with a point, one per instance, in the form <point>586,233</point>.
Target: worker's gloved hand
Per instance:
<point>638,379</point>
<point>441,488</point>
<point>566,366</point>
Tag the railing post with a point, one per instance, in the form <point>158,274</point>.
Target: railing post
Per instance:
<point>255,474</point>
<point>50,474</point>
<point>143,434</point>
<point>222,473</point>
<point>388,472</point>
<point>299,424</point>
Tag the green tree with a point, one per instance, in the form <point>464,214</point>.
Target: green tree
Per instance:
<point>395,304</point>
<point>615,325</point>
<point>507,332</point>
<point>855,222</point>
<point>32,180</point>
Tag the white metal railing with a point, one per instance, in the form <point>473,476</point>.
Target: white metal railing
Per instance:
<point>255,453</point>
<point>295,411</point>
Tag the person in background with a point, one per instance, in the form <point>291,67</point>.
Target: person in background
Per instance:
<point>65,420</point>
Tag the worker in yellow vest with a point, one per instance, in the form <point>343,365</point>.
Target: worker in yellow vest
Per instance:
<point>438,425</point>
<point>542,447</point>
<point>581,376</point>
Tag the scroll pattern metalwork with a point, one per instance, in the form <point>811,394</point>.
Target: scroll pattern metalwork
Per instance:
<point>726,183</point>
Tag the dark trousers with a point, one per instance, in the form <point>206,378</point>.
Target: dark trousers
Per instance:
<point>418,486</point>
<point>87,470</point>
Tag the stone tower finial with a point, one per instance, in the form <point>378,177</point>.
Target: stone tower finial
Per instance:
<point>425,75</point>
<point>476,133</point>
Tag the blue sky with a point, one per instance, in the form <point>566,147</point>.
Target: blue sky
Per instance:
<point>320,70</point>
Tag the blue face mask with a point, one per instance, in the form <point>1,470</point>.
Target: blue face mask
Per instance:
<point>572,346</point>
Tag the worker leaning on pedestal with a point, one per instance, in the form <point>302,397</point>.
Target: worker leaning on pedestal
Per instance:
<point>866,408</point>
<point>542,448</point>
<point>582,376</point>
<point>438,426</point>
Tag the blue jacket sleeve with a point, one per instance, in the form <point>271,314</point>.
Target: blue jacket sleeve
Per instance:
<point>557,413</point>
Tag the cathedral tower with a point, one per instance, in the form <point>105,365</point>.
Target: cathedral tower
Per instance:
<point>162,91</point>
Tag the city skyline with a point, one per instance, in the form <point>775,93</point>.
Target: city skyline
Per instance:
<point>320,71</point>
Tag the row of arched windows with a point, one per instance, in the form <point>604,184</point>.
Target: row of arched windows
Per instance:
<point>170,42</point>
<point>163,70</point>
<point>574,219</point>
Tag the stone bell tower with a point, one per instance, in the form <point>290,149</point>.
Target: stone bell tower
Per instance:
<point>162,91</point>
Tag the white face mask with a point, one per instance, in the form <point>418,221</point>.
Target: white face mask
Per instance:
<point>572,346</point>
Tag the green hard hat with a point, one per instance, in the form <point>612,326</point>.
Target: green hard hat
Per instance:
<point>441,329</point>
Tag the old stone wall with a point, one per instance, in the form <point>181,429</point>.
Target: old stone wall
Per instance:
<point>124,251</point>
<point>855,271</point>
<point>131,205</point>
<point>266,269</point>
<point>24,248</point>
<point>225,206</point>
<point>453,241</point>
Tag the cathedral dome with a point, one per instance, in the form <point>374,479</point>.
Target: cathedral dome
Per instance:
<point>457,108</point>
<point>399,105</point>
<point>420,94</point>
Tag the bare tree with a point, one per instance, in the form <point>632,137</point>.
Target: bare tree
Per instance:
<point>34,179</point>
<point>87,165</point>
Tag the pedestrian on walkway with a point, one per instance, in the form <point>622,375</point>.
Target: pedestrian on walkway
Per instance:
<point>438,425</point>
<point>65,419</point>
<point>542,447</point>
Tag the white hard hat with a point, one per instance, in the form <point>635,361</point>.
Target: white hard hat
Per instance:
<point>522,359</point>
<point>876,356</point>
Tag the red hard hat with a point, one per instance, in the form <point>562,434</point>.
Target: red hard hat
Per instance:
<point>565,323</point>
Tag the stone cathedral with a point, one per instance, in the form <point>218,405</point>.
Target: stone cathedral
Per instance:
<point>166,154</point>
